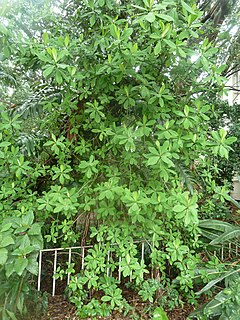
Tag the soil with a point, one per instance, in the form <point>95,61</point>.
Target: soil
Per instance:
<point>60,309</point>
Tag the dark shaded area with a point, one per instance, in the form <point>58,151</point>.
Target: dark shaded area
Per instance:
<point>60,309</point>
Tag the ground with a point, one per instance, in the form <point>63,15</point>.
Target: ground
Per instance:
<point>60,309</point>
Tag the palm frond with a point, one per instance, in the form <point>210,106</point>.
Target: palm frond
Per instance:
<point>227,236</point>
<point>216,225</point>
<point>32,105</point>
<point>29,143</point>
<point>219,279</point>
<point>186,175</point>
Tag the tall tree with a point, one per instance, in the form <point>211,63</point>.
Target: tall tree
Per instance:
<point>128,140</point>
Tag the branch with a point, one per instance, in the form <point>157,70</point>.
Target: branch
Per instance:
<point>9,104</point>
<point>232,88</point>
<point>232,71</point>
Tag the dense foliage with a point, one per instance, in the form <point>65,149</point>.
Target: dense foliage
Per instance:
<point>111,129</point>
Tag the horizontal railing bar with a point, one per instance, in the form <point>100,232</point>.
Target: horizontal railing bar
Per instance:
<point>80,247</point>
<point>61,249</point>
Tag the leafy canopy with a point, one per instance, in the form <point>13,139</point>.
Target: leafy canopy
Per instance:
<point>119,106</point>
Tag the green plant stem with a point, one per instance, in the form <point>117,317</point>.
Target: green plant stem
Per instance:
<point>18,293</point>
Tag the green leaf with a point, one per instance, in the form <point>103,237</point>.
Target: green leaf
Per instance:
<point>115,32</point>
<point>32,266</point>
<point>58,77</point>
<point>159,314</point>
<point>170,43</point>
<point>35,229</point>
<point>231,140</point>
<point>5,144</point>
<point>25,241</point>
<point>92,20</point>
<point>167,161</point>
<point>45,37</point>
<point>144,92</point>
<point>28,218</point>
<point>155,36</point>
<point>106,298</point>
<point>127,33</point>
<point>20,265</point>
<point>223,152</point>
<point>226,236</point>
<point>150,17</point>
<point>11,315</point>
<point>157,48</point>
<point>182,52</point>
<point>9,268</point>
<point>179,208</point>
<point>128,258</point>
<point>54,54</point>
<point>6,227</point>
<point>66,40</point>
<point>215,225</point>
<point>233,201</point>
<point>6,241</point>
<point>165,17</point>
<point>209,235</point>
<point>216,306</point>
<point>101,3</point>
<point>48,71</point>
<point>3,255</point>
<point>188,8</point>
<point>215,281</point>
<point>153,160</point>
<point>43,58</point>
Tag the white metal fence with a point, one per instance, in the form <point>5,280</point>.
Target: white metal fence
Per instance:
<point>224,252</point>
<point>70,252</point>
<point>227,251</point>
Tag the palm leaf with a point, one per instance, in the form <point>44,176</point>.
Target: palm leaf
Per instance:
<point>215,225</point>
<point>7,78</point>
<point>29,143</point>
<point>209,234</point>
<point>212,308</point>
<point>31,105</point>
<point>186,175</point>
<point>227,236</point>
<point>233,201</point>
<point>215,281</point>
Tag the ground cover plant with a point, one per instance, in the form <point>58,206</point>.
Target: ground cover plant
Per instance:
<point>110,142</point>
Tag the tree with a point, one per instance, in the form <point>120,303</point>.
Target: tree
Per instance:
<point>125,113</point>
<point>222,18</point>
